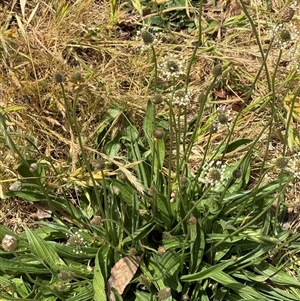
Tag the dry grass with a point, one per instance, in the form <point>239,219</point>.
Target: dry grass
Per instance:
<point>78,36</point>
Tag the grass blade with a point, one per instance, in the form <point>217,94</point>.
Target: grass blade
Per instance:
<point>98,281</point>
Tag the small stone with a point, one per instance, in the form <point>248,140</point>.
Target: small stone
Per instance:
<point>9,243</point>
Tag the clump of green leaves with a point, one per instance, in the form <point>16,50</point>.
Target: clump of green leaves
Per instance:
<point>189,229</point>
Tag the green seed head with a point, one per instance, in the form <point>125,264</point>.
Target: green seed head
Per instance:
<point>158,133</point>
<point>223,119</point>
<point>214,175</point>
<point>166,235</point>
<point>99,164</point>
<point>164,293</point>
<point>76,77</point>
<point>61,286</point>
<point>147,37</point>
<point>59,78</point>
<point>75,240</point>
<point>234,257</point>
<point>132,251</point>
<point>152,191</point>
<point>65,275</point>
<point>157,99</point>
<point>217,70</point>
<point>237,174</point>
<point>172,66</point>
<point>184,181</point>
<point>281,163</point>
<point>213,128</point>
<point>145,281</point>
<point>285,35</point>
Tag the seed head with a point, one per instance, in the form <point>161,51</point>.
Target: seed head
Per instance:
<point>97,220</point>
<point>161,250</point>
<point>65,275</point>
<point>99,164</point>
<point>184,181</point>
<point>76,77</point>
<point>76,240</point>
<point>237,174</point>
<point>33,167</point>
<point>152,191</point>
<point>214,175</point>
<point>285,35</point>
<point>122,177</point>
<point>181,98</point>
<point>9,243</point>
<point>217,70</point>
<point>132,251</point>
<point>223,119</point>
<point>281,163</point>
<point>166,235</point>
<point>147,37</point>
<point>59,78</point>
<point>172,66</point>
<point>213,128</point>
<point>164,293</point>
<point>61,286</point>
<point>145,281</point>
<point>193,220</point>
<point>234,257</point>
<point>157,99</point>
<point>158,133</point>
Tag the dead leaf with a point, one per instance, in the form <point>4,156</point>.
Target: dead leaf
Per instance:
<point>237,106</point>
<point>220,94</point>
<point>121,274</point>
<point>41,214</point>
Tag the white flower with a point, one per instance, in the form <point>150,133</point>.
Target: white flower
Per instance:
<point>149,39</point>
<point>224,110</point>
<point>181,98</point>
<point>171,67</point>
<point>213,173</point>
<point>285,35</point>
<point>77,241</point>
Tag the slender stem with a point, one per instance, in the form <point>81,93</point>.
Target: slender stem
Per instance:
<point>261,50</point>
<point>198,44</point>
<point>172,123</point>
<point>155,67</point>
<point>85,158</point>
<point>197,124</point>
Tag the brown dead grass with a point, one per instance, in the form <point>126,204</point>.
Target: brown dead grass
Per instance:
<point>78,36</point>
